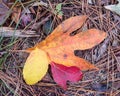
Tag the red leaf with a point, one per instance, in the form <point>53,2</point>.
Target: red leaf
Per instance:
<point>62,74</point>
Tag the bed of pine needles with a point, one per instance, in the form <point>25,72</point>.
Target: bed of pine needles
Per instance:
<point>106,55</point>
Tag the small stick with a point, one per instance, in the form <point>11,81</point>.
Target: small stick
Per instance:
<point>26,51</point>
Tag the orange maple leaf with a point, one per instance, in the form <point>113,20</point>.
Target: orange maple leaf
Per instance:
<point>59,45</point>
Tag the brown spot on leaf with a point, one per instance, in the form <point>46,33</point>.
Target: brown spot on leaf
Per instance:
<point>65,56</point>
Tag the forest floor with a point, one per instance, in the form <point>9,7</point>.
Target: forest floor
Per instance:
<point>29,22</point>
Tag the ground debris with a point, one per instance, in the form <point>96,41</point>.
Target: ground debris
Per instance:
<point>11,32</point>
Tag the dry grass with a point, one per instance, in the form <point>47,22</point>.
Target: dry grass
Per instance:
<point>106,56</point>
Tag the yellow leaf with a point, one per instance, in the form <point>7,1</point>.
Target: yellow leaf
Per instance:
<point>36,66</point>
